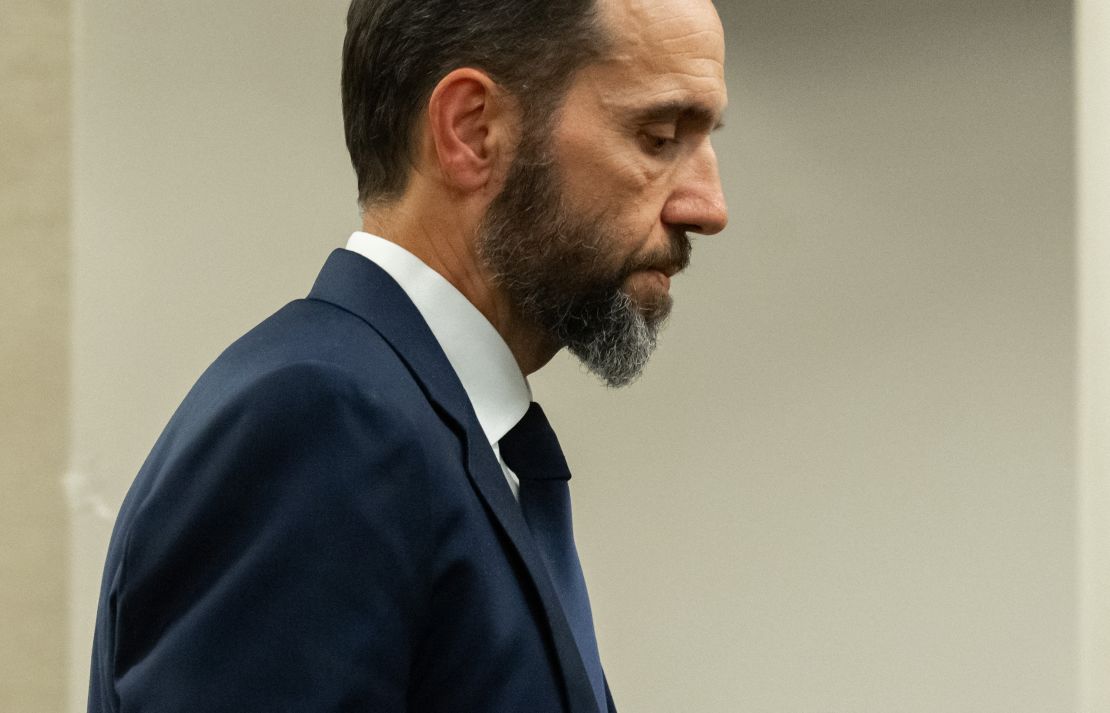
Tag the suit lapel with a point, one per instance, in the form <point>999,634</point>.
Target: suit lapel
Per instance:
<point>357,285</point>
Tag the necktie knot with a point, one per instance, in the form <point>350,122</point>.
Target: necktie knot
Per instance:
<point>532,450</point>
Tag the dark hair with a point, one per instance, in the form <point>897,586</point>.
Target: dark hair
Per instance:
<point>397,51</point>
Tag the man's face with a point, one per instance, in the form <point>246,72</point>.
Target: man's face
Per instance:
<point>592,221</point>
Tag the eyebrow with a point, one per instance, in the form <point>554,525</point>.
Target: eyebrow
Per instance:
<point>679,110</point>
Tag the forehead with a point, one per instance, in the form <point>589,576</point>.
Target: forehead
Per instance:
<point>663,52</point>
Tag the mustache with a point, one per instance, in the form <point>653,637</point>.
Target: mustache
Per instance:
<point>673,257</point>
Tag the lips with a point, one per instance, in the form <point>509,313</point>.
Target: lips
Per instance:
<point>673,260</point>
<point>659,275</point>
<point>669,270</point>
<point>665,278</point>
<point>665,263</point>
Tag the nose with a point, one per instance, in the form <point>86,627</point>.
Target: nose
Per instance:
<point>697,203</point>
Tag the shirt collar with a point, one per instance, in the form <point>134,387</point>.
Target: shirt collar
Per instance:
<point>482,360</point>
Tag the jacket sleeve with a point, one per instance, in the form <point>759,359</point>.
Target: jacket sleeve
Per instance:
<point>276,560</point>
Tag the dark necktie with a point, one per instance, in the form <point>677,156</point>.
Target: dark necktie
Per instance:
<point>532,451</point>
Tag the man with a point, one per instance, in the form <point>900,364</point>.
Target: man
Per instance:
<point>357,507</point>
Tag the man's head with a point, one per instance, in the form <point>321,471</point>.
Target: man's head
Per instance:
<point>581,227</point>
<point>397,51</point>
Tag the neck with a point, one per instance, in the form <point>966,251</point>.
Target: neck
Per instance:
<point>446,240</point>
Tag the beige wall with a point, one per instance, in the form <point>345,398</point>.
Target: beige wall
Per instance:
<point>210,181</point>
<point>1093,80</point>
<point>34,350</point>
<point>847,481</point>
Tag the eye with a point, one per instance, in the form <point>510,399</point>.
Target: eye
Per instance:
<point>657,144</point>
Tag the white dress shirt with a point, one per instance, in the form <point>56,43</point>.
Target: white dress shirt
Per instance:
<point>483,362</point>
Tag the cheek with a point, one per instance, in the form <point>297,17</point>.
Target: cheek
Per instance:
<point>615,182</point>
<point>608,168</point>
<point>622,196</point>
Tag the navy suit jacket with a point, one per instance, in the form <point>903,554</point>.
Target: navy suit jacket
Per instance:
<point>323,526</point>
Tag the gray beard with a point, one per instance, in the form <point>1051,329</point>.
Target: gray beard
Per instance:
<point>551,261</point>
<point>622,343</point>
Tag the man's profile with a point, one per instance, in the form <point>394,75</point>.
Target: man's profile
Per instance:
<point>357,506</point>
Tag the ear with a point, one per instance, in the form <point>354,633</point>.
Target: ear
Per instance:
<point>469,123</point>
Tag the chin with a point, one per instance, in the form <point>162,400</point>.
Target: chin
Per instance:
<point>652,301</point>
<point>654,308</point>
